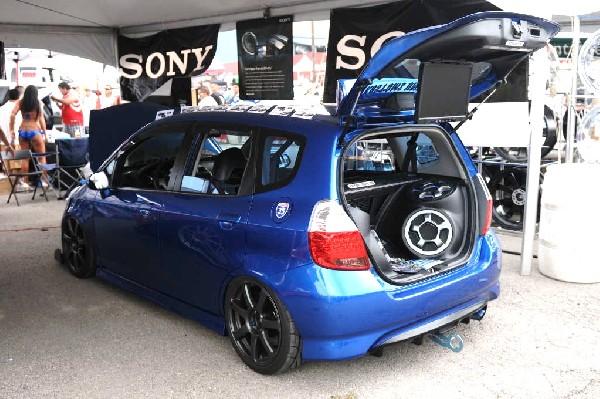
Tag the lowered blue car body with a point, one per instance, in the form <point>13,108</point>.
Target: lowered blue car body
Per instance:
<point>333,225</point>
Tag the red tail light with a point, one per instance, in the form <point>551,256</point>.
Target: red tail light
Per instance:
<point>485,218</point>
<point>334,240</point>
<point>488,218</point>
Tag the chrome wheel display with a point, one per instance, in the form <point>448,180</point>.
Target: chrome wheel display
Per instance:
<point>589,63</point>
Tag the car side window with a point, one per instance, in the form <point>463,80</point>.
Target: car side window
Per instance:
<point>280,159</point>
<point>148,163</point>
<point>217,163</point>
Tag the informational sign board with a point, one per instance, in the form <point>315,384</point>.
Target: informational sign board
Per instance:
<point>265,56</point>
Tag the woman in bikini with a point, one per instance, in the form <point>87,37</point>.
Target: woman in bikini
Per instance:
<point>32,132</point>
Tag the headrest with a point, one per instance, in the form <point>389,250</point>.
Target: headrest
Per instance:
<point>227,162</point>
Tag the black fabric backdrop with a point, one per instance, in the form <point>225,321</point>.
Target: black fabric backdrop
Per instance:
<point>373,22</point>
<point>176,40</point>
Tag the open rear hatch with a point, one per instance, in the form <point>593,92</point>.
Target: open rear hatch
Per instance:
<point>418,205</point>
<point>488,44</point>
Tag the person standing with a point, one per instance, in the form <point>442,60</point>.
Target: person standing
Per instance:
<point>6,111</point>
<point>206,100</point>
<point>88,103</point>
<point>216,94</point>
<point>72,114</point>
<point>107,99</point>
<point>234,95</point>
<point>4,139</point>
<point>32,131</point>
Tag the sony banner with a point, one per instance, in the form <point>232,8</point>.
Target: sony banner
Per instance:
<point>355,34</point>
<point>148,62</point>
<point>265,57</point>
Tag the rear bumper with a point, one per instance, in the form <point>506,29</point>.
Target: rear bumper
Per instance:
<point>342,314</point>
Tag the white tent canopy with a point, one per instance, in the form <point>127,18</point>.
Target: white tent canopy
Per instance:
<point>88,28</point>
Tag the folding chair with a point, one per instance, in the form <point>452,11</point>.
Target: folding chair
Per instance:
<point>15,174</point>
<point>70,156</point>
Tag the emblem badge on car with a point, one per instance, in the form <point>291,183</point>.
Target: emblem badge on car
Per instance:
<point>281,210</point>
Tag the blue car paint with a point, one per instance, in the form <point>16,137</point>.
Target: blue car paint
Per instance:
<point>343,315</point>
<point>339,314</point>
<point>202,241</point>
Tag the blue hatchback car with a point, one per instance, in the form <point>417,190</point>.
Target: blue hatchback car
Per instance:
<point>314,237</point>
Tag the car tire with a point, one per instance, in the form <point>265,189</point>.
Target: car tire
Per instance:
<point>77,252</point>
<point>260,328</point>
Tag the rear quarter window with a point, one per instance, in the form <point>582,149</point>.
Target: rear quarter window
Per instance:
<point>280,159</point>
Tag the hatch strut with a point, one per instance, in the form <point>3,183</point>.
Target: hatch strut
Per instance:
<point>360,87</point>
<point>470,115</point>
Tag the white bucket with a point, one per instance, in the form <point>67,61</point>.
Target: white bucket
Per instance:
<point>570,223</point>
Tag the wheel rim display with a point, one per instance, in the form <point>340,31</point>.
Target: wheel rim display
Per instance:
<point>508,189</point>
<point>588,136</point>
<point>589,63</point>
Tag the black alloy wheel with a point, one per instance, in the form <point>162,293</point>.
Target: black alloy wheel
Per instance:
<point>77,254</point>
<point>508,189</point>
<point>260,328</point>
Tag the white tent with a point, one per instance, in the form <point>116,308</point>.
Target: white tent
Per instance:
<point>88,28</point>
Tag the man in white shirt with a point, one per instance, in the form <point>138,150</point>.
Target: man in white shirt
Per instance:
<point>6,110</point>
<point>107,99</point>
<point>206,99</point>
<point>88,103</point>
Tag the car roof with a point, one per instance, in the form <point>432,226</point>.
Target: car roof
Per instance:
<point>316,126</point>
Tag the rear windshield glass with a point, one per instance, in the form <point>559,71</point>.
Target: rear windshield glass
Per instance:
<point>409,68</point>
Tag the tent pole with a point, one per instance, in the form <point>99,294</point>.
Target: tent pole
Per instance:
<point>571,115</point>
<point>538,80</point>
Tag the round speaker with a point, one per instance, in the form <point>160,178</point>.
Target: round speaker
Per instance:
<point>427,232</point>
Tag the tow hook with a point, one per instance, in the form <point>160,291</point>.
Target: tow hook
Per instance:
<point>452,341</point>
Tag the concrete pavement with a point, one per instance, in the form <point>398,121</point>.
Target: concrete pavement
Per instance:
<point>61,337</point>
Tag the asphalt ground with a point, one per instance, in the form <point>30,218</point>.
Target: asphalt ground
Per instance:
<point>61,337</point>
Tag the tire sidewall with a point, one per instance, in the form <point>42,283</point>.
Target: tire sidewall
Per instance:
<point>89,268</point>
<point>278,364</point>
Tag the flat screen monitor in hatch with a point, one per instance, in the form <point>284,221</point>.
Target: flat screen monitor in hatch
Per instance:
<point>443,92</point>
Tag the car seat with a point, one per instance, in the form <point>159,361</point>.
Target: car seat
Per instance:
<point>228,170</point>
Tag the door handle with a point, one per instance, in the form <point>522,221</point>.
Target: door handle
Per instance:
<point>227,220</point>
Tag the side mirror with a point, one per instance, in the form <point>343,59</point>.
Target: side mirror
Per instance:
<point>98,181</point>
